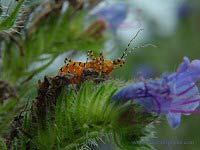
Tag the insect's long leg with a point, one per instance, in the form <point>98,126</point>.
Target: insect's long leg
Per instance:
<point>118,63</point>
<point>85,64</point>
<point>67,64</point>
<point>101,63</point>
<point>91,54</point>
<point>67,60</point>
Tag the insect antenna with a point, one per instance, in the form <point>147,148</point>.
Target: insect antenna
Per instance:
<point>136,47</point>
<point>125,51</point>
<point>143,46</point>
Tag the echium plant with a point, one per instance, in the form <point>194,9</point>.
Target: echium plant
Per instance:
<point>44,30</point>
<point>79,117</point>
<point>93,113</point>
<point>172,95</point>
<point>97,110</point>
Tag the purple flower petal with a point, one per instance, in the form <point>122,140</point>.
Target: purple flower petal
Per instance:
<point>187,105</point>
<point>183,66</point>
<point>186,111</point>
<point>195,66</point>
<point>132,91</point>
<point>114,15</point>
<point>172,95</point>
<point>174,119</point>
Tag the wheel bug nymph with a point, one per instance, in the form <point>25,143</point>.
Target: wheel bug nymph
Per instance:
<point>98,64</point>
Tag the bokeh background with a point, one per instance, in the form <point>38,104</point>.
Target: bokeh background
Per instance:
<point>172,26</point>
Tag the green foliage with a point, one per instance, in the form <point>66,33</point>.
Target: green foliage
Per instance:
<point>86,118</point>
<point>55,34</point>
<point>2,145</point>
<point>9,21</point>
<point>4,110</point>
<point>82,117</point>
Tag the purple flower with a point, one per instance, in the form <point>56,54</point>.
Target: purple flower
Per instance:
<point>113,15</point>
<point>146,70</point>
<point>173,95</point>
<point>185,9</point>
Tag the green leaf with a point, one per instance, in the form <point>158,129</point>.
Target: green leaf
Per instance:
<point>2,145</point>
<point>9,22</point>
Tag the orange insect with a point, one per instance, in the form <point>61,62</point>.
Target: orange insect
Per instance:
<point>97,64</point>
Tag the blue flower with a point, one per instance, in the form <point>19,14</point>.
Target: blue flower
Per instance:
<point>113,15</point>
<point>145,70</point>
<point>173,95</point>
<point>185,10</point>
